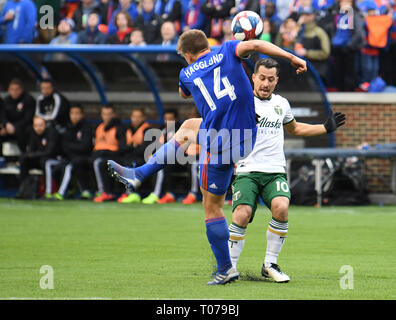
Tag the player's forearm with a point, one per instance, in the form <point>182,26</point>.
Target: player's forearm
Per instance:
<point>308,130</point>
<point>267,48</point>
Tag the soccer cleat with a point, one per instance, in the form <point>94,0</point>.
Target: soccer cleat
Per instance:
<point>224,277</point>
<point>122,197</point>
<point>125,175</point>
<point>48,196</point>
<point>190,199</point>
<point>152,198</point>
<point>273,271</point>
<point>85,194</point>
<point>167,198</point>
<point>58,196</point>
<point>104,197</point>
<point>132,198</point>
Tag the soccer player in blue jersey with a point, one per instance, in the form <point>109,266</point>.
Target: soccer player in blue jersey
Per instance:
<point>221,90</point>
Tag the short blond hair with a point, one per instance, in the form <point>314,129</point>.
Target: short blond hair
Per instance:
<point>193,42</point>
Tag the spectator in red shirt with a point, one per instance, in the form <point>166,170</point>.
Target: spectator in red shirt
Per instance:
<point>123,22</point>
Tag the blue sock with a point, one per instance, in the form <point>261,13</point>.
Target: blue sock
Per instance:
<point>159,159</point>
<point>218,235</point>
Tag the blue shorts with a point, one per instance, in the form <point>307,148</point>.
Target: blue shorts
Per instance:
<point>216,170</point>
<point>214,178</point>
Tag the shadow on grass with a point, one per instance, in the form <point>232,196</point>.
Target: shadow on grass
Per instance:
<point>251,276</point>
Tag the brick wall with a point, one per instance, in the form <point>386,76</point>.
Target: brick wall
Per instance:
<point>373,124</point>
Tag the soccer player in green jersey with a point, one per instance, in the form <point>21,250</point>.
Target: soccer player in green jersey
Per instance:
<point>263,172</point>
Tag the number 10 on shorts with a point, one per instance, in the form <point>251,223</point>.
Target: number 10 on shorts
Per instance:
<point>282,185</point>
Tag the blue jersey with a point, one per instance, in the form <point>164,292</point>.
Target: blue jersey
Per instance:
<point>223,95</point>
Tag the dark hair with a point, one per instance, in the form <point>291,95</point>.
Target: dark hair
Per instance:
<point>18,82</point>
<point>127,15</point>
<point>138,29</point>
<point>108,106</point>
<point>173,111</point>
<point>78,106</point>
<point>46,80</point>
<point>268,63</point>
<point>139,109</point>
<point>193,42</point>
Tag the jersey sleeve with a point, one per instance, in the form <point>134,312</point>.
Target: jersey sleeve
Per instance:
<point>232,47</point>
<point>289,117</point>
<point>182,85</point>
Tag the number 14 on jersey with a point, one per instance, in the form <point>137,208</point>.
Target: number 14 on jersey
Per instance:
<point>219,93</point>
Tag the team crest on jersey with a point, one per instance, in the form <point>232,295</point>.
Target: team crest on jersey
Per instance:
<point>236,196</point>
<point>278,110</point>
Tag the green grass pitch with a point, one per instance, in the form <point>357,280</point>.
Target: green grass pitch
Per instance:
<point>117,251</point>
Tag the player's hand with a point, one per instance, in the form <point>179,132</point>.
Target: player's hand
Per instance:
<point>299,63</point>
<point>257,117</point>
<point>334,121</point>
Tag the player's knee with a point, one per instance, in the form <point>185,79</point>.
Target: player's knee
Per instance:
<point>280,208</point>
<point>192,124</point>
<point>241,215</point>
<point>188,131</point>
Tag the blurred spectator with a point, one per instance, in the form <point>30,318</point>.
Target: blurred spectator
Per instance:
<point>109,139</point>
<point>19,18</point>
<point>344,24</point>
<point>149,22</point>
<point>296,5</point>
<point>137,38</point>
<point>287,35</point>
<point>43,145</point>
<point>66,35</point>
<point>45,33</point>
<point>108,6</point>
<point>269,31</point>
<point>169,10</point>
<point>282,8</point>
<point>366,5</point>
<point>168,34</point>
<point>52,106</point>
<point>91,33</point>
<point>85,7</point>
<point>133,153</point>
<point>124,5</point>
<point>2,4</point>
<point>193,17</point>
<point>377,31</point>
<point>269,11</point>
<point>16,114</point>
<point>169,37</point>
<point>313,42</point>
<point>389,53</point>
<point>241,5</point>
<point>320,5</point>
<point>123,24</point>
<point>76,145</point>
<point>216,11</point>
<point>171,126</point>
<point>227,32</point>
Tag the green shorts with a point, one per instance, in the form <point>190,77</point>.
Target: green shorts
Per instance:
<point>247,187</point>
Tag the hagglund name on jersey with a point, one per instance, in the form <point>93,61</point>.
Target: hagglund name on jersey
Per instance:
<point>268,154</point>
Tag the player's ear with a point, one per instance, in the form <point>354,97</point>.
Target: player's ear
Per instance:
<point>253,76</point>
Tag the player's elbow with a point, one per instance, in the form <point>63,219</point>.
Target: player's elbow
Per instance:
<point>183,95</point>
<point>256,45</point>
<point>293,131</point>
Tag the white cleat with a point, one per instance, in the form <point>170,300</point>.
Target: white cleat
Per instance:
<point>273,271</point>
